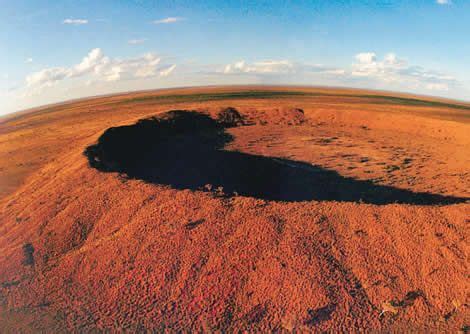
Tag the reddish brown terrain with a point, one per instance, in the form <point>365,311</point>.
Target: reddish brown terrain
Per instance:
<point>301,209</point>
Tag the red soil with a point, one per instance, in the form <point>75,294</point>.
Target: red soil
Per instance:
<point>87,249</point>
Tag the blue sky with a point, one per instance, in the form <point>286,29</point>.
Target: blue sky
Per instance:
<point>55,51</point>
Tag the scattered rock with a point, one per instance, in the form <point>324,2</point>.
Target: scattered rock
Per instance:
<point>193,224</point>
<point>410,298</point>
<point>388,307</point>
<point>319,315</point>
<point>361,233</point>
<point>394,307</point>
<point>230,117</point>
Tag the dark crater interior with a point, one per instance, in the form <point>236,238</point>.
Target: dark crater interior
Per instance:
<point>185,150</point>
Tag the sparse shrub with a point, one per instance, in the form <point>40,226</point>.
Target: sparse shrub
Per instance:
<point>28,252</point>
<point>392,168</point>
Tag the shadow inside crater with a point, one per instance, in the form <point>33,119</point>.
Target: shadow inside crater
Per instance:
<point>185,150</point>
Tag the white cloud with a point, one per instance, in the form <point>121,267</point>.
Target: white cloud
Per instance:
<point>267,66</point>
<point>391,72</point>
<point>136,41</point>
<point>75,21</point>
<point>46,77</point>
<point>394,70</point>
<point>93,62</point>
<point>278,67</point>
<point>337,71</point>
<point>437,86</point>
<point>166,72</point>
<point>235,67</point>
<point>29,60</point>
<point>366,57</point>
<point>99,67</point>
<point>443,2</point>
<point>168,20</point>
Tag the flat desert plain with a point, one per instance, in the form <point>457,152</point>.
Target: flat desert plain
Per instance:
<point>236,209</point>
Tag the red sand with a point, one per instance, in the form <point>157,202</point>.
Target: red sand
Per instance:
<point>85,250</point>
